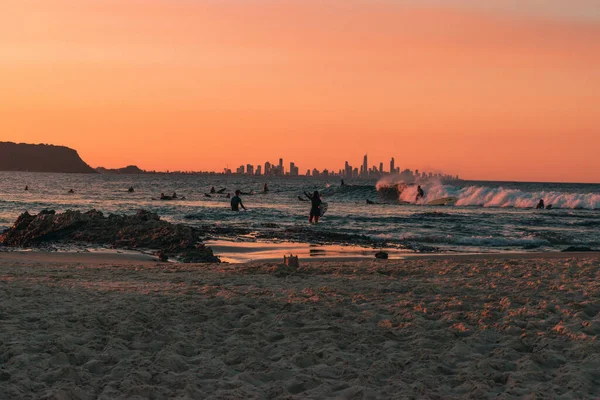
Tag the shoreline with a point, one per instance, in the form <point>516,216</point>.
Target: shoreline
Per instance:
<point>127,256</point>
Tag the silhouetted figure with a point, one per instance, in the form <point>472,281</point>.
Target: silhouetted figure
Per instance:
<point>420,193</point>
<point>266,188</point>
<point>212,190</point>
<point>236,202</point>
<point>228,196</point>
<point>130,190</point>
<point>163,197</point>
<point>71,191</point>
<point>343,184</point>
<point>540,205</point>
<point>222,190</point>
<point>174,195</point>
<point>26,187</point>
<point>207,195</point>
<point>315,210</point>
<point>370,202</point>
<point>549,207</point>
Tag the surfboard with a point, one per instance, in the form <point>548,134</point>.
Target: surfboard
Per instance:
<point>323,207</point>
<point>444,201</point>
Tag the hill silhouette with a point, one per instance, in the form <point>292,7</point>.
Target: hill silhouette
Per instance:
<point>41,158</point>
<point>130,169</point>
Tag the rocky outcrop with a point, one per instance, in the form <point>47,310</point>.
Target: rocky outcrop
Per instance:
<point>144,230</point>
<point>41,158</point>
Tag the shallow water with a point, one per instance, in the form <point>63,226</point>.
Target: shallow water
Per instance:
<point>487,217</point>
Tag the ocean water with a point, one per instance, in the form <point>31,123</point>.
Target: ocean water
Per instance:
<point>487,216</point>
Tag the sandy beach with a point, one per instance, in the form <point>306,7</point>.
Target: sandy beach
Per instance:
<point>98,326</point>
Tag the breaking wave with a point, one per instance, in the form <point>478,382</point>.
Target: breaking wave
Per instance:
<point>488,196</point>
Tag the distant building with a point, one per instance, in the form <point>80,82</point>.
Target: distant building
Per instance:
<point>249,169</point>
<point>267,168</point>
<point>392,166</point>
<point>365,166</point>
<point>258,170</point>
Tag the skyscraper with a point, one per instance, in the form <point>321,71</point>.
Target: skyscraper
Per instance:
<point>392,166</point>
<point>365,166</point>
<point>281,169</point>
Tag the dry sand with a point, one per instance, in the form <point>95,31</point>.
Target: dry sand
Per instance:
<point>92,326</point>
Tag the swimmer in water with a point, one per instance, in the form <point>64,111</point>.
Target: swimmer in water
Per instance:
<point>236,202</point>
<point>540,205</point>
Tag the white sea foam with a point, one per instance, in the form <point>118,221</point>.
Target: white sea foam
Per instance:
<point>486,196</point>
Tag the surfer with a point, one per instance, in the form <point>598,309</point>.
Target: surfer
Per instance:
<point>212,190</point>
<point>163,197</point>
<point>370,202</point>
<point>221,191</point>
<point>420,193</point>
<point>130,190</point>
<point>26,187</point>
<point>236,202</point>
<point>315,210</point>
<point>266,188</point>
<point>174,195</point>
<point>71,191</point>
<point>343,184</point>
<point>540,205</point>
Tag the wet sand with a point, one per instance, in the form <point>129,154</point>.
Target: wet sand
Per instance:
<point>86,326</point>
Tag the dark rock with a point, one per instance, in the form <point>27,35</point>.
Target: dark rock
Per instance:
<point>4,376</point>
<point>162,256</point>
<point>576,249</point>
<point>144,230</point>
<point>382,255</point>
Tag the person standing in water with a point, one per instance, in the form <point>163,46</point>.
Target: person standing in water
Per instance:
<point>420,193</point>
<point>540,205</point>
<point>266,188</point>
<point>236,202</point>
<point>315,210</point>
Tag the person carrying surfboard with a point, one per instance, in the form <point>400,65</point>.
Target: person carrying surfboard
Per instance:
<point>315,210</point>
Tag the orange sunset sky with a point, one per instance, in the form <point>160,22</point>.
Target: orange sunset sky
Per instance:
<point>494,89</point>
